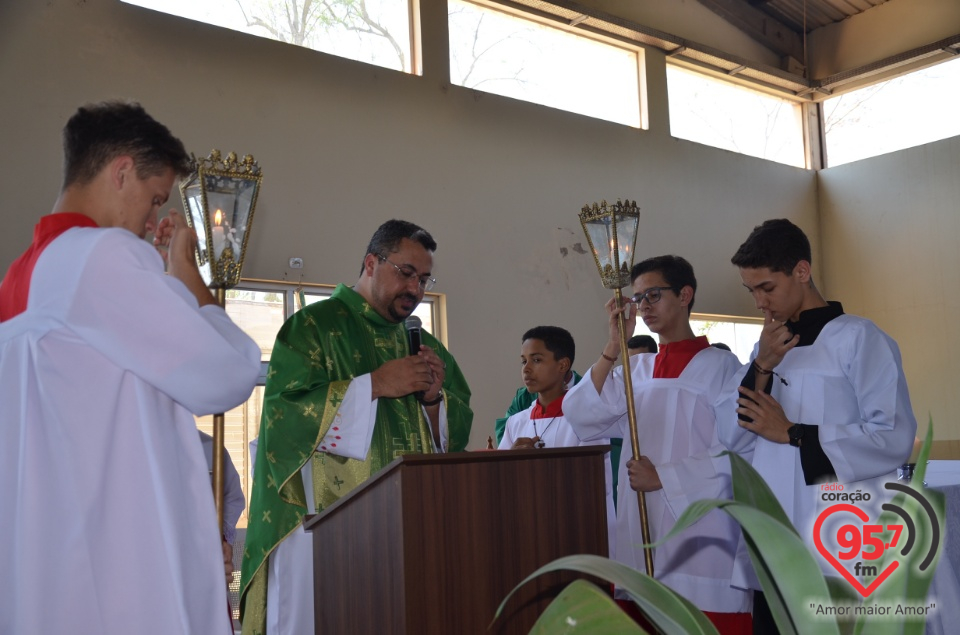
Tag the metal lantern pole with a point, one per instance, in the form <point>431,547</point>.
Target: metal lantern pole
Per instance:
<point>611,232</point>
<point>218,447</point>
<point>219,198</point>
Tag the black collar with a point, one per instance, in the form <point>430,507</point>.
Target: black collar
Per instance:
<point>812,321</point>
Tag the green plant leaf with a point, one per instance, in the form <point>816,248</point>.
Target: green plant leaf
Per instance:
<point>791,578</point>
<point>842,594</point>
<point>667,610</point>
<point>584,609</point>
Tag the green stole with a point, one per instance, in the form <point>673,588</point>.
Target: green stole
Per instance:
<point>317,354</point>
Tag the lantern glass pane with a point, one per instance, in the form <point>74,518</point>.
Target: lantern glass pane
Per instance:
<point>626,240</point>
<point>601,238</point>
<point>193,197</point>
<point>232,198</point>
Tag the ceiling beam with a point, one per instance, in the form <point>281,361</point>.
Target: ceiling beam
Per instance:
<point>758,25</point>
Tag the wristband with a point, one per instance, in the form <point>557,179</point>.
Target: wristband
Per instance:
<point>434,402</point>
<point>607,357</point>
<point>760,369</point>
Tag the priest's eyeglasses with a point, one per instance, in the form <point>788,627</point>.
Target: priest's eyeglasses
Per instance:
<point>407,273</point>
<point>651,295</point>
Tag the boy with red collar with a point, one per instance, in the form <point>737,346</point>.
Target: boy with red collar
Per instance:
<point>546,355</point>
<point>674,391</point>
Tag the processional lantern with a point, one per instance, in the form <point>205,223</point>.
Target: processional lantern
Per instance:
<point>220,197</point>
<point>611,232</point>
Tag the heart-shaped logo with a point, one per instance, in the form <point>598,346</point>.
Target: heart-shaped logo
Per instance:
<point>856,540</point>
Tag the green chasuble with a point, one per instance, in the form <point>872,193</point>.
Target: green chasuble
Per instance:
<point>317,354</point>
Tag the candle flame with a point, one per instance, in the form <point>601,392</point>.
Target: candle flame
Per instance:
<point>218,218</point>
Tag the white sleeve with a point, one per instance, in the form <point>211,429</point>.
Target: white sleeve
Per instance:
<point>597,416</point>
<point>729,432</point>
<point>509,438</point>
<point>882,438</point>
<point>253,455</point>
<point>150,324</point>
<point>444,443</point>
<point>351,433</point>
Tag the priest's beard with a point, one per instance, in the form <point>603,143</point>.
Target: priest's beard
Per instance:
<point>398,313</point>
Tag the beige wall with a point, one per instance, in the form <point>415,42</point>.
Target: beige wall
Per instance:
<point>345,146</point>
<point>891,250</point>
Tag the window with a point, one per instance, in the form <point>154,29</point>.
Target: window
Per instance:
<point>260,308</point>
<point>500,53</point>
<point>739,333</point>
<point>907,111</point>
<point>724,115</point>
<point>372,31</point>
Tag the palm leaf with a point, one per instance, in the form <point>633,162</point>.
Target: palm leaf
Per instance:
<point>583,609</point>
<point>670,612</point>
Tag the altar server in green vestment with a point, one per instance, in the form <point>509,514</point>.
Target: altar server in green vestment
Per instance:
<point>345,396</point>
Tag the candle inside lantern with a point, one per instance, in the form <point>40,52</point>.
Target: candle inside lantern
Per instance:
<point>218,234</point>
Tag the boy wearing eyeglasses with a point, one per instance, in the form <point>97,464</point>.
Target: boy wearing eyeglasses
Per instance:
<point>674,392</point>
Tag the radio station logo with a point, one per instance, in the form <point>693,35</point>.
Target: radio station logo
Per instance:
<point>845,536</point>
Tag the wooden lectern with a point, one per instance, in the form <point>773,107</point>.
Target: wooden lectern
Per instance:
<point>433,543</point>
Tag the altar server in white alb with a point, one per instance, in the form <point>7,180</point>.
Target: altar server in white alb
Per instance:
<point>674,391</point>
<point>824,398</point>
<point>108,523</point>
<point>546,355</point>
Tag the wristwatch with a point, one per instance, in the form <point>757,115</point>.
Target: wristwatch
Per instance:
<point>796,434</point>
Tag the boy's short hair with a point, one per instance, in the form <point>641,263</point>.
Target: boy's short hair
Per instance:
<point>98,133</point>
<point>643,341</point>
<point>776,244</point>
<point>557,340</point>
<point>677,272</point>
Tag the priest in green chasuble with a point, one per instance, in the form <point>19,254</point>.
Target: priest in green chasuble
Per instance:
<point>345,396</point>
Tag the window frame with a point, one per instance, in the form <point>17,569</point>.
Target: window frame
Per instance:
<point>755,86</point>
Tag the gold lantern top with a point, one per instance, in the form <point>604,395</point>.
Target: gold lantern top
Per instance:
<point>220,197</point>
<point>611,231</point>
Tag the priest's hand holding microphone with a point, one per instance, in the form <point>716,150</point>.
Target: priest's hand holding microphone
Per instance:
<point>421,373</point>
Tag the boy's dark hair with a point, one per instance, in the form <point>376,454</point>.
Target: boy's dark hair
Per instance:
<point>98,133</point>
<point>677,272</point>
<point>777,245</point>
<point>721,346</point>
<point>557,340</point>
<point>643,341</point>
<point>388,236</point>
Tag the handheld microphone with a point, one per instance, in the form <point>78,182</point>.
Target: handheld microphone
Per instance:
<point>413,324</point>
